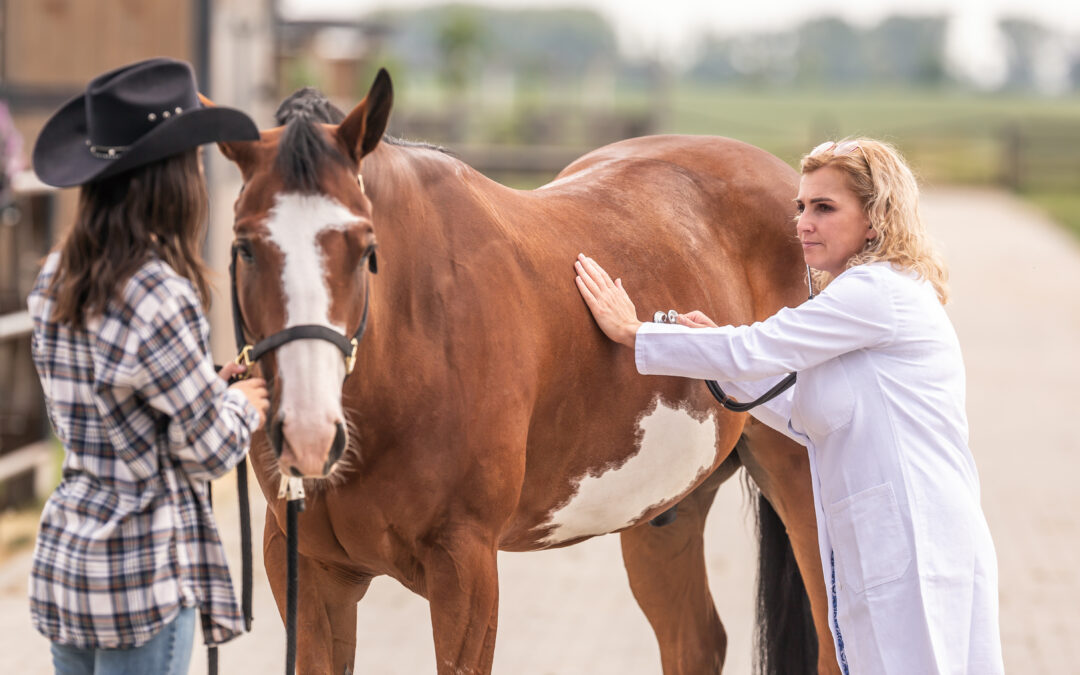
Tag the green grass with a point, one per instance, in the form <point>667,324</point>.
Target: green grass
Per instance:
<point>1062,206</point>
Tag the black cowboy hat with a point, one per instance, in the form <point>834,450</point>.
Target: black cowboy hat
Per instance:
<point>130,117</point>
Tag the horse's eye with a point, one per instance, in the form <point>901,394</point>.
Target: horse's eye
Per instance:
<point>247,254</point>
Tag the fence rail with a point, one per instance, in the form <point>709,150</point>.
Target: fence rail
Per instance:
<point>36,457</point>
<point>15,325</point>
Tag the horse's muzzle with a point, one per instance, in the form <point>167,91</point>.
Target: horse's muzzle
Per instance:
<point>303,453</point>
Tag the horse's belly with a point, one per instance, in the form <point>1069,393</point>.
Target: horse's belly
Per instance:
<point>675,449</point>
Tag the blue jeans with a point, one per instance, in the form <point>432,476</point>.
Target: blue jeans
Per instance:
<point>167,653</point>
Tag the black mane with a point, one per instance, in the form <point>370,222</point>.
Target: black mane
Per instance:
<point>311,103</point>
<point>304,148</point>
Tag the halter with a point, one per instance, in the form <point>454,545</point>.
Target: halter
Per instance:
<point>249,353</point>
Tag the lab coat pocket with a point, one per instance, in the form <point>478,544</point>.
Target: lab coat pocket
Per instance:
<point>869,538</point>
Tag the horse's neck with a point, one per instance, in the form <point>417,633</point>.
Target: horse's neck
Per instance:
<point>423,197</point>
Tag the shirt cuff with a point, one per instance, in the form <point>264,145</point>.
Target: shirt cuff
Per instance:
<point>640,358</point>
<point>239,404</point>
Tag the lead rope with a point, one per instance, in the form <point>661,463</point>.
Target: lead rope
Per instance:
<point>245,505</point>
<point>246,573</point>
<point>211,650</point>
<point>291,489</point>
<point>245,555</point>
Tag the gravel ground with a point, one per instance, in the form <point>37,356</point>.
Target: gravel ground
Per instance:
<point>1016,306</point>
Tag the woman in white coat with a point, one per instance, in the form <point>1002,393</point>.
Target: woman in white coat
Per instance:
<point>879,404</point>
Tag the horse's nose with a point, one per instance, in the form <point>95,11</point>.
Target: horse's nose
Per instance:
<point>336,449</point>
<point>277,436</point>
<point>308,446</point>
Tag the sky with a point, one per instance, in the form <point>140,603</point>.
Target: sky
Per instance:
<point>670,29</point>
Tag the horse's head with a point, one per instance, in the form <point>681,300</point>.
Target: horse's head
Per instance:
<point>303,256</point>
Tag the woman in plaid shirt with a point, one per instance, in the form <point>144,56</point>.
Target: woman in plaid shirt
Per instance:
<point>127,548</point>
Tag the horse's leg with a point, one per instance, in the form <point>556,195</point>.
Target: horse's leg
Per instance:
<point>461,583</point>
<point>781,469</point>
<point>666,567</point>
<point>326,605</point>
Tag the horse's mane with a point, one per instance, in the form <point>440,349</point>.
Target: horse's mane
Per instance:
<point>304,148</point>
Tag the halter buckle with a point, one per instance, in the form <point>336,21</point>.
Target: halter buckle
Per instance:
<point>350,360</point>
<point>244,359</point>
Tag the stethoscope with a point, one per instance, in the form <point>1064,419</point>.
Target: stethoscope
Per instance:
<point>671,316</point>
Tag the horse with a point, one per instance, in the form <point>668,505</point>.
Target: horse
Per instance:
<point>482,409</point>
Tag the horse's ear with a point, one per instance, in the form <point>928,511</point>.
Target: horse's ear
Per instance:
<point>238,152</point>
<point>241,153</point>
<point>364,127</point>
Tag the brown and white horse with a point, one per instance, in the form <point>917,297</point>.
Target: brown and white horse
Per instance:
<point>486,410</point>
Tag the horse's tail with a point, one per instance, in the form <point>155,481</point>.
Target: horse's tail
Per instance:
<point>785,635</point>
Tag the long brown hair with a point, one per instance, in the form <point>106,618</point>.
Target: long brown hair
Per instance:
<point>158,210</point>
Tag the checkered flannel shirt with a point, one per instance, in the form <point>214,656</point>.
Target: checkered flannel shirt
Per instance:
<point>128,537</point>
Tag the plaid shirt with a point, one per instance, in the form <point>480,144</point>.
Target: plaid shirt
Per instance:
<point>128,537</point>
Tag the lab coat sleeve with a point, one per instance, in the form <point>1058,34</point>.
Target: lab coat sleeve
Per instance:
<point>854,312</point>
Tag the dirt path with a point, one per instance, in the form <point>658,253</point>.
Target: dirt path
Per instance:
<point>1016,286</point>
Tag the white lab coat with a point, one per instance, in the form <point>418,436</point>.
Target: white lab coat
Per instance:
<point>879,404</point>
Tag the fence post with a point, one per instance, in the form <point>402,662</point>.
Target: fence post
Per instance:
<point>1012,143</point>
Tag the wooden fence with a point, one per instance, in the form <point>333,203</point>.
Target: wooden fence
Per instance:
<point>49,49</point>
<point>26,233</point>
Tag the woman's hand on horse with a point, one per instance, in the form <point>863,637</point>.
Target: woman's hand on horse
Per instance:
<point>607,300</point>
<point>254,389</point>
<point>695,319</point>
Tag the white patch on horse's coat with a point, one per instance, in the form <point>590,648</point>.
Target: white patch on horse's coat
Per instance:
<point>311,371</point>
<point>673,452</point>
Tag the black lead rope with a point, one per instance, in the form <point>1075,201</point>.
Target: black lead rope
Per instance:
<point>294,507</point>
<point>245,543</point>
<point>246,574</point>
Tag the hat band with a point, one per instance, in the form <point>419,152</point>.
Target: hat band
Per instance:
<point>108,151</point>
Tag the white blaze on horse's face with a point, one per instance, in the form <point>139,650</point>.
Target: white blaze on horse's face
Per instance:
<point>310,371</point>
<point>674,452</point>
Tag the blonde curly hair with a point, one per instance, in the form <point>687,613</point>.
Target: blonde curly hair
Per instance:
<point>889,194</point>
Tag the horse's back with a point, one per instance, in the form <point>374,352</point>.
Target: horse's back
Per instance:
<point>717,156</point>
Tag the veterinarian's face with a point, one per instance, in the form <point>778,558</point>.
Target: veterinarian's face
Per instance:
<point>832,225</point>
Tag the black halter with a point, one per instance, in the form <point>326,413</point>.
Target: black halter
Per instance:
<point>249,354</point>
